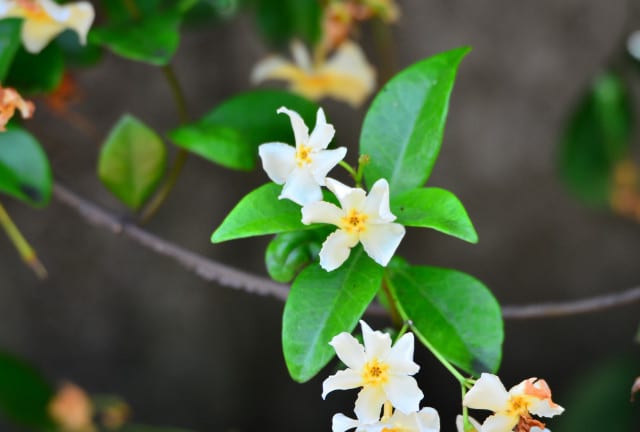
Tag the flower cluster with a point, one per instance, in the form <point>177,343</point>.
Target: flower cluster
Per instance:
<point>384,374</point>
<point>303,170</point>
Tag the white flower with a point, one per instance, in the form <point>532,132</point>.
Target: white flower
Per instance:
<point>303,168</point>
<point>460,424</point>
<point>45,19</point>
<point>362,218</point>
<point>345,76</point>
<point>425,420</point>
<point>512,408</point>
<point>383,373</point>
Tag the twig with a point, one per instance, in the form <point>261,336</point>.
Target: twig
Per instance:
<point>213,271</point>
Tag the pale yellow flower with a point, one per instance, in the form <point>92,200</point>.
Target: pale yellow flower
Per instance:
<point>344,76</point>
<point>10,101</point>
<point>45,19</point>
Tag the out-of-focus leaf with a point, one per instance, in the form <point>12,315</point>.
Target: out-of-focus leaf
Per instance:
<point>144,428</point>
<point>76,54</point>
<point>24,167</point>
<point>9,44</point>
<point>36,73</point>
<point>596,138</point>
<point>289,252</point>
<point>283,20</point>
<point>132,161</point>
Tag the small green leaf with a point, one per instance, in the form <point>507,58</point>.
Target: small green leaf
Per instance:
<point>260,212</point>
<point>132,161</point>
<point>283,20</point>
<point>597,137</point>
<point>454,312</point>
<point>153,39</point>
<point>24,394</point>
<point>289,252</point>
<point>9,44</point>
<point>402,131</point>
<point>322,304</point>
<point>24,167</point>
<point>36,73</point>
<point>434,208</point>
<point>230,134</point>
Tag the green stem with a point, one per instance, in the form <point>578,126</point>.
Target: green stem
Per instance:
<point>352,172</point>
<point>396,318</point>
<point>27,253</point>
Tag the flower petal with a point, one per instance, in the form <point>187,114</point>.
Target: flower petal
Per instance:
<point>352,78</point>
<point>377,345</point>
<point>81,18</point>
<point>57,12</point>
<point>349,198</point>
<point>342,423</point>
<point>377,203</point>
<point>428,419</point>
<point>300,130</point>
<point>400,358</point>
<point>403,392</point>
<point>460,424</point>
<point>545,408</point>
<point>369,402</point>
<point>381,241</point>
<point>324,161</point>
<point>37,34</point>
<point>336,249</point>
<point>301,56</point>
<point>321,212</point>
<point>278,160</point>
<point>487,393</point>
<point>349,350</point>
<point>322,133</point>
<point>341,380</point>
<point>274,67</point>
<point>301,188</point>
<point>499,423</point>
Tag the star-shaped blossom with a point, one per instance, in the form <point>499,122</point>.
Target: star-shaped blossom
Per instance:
<point>384,373</point>
<point>345,76</point>
<point>512,408</point>
<point>303,168</point>
<point>425,420</point>
<point>362,218</point>
<point>45,19</point>
<point>10,101</point>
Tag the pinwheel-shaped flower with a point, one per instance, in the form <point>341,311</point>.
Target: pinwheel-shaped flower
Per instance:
<point>345,76</point>
<point>10,101</point>
<point>45,19</point>
<point>303,168</point>
<point>512,408</point>
<point>425,420</point>
<point>362,218</point>
<point>383,372</point>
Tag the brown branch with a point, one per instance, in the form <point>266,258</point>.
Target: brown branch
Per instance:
<point>213,271</point>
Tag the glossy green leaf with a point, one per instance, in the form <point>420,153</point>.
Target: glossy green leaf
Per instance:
<point>283,20</point>
<point>403,129</point>
<point>24,167</point>
<point>153,39</point>
<point>36,73</point>
<point>260,212</point>
<point>454,312</point>
<point>434,208</point>
<point>9,44</point>
<point>24,394</point>
<point>598,136</point>
<point>132,161</point>
<point>289,252</point>
<point>230,134</point>
<point>322,304</point>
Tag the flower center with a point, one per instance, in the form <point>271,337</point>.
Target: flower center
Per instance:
<point>33,10</point>
<point>518,406</point>
<point>375,373</point>
<point>303,155</point>
<point>354,221</point>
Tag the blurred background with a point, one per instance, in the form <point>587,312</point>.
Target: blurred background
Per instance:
<point>114,317</point>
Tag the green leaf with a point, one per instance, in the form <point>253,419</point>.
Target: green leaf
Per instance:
<point>24,167</point>
<point>289,252</point>
<point>132,161</point>
<point>283,20</point>
<point>402,131</point>
<point>230,134</point>
<point>145,428</point>
<point>76,54</point>
<point>598,136</point>
<point>434,208</point>
<point>260,212</point>
<point>153,39</point>
<point>454,312</point>
<point>322,304</point>
<point>9,44</point>
<point>36,73</point>
<point>24,393</point>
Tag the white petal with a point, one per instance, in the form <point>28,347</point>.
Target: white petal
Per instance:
<point>36,35</point>
<point>321,212</point>
<point>545,408</point>
<point>5,6</point>
<point>322,132</point>
<point>300,130</point>
<point>341,380</point>
<point>301,188</point>
<point>349,350</point>
<point>352,78</point>
<point>278,160</point>
<point>537,429</point>
<point>301,55</point>
<point>377,345</point>
<point>400,358</point>
<point>377,202</point>
<point>272,67</point>
<point>342,192</point>
<point>336,249</point>
<point>381,241</point>
<point>499,423</point>
<point>487,393</point>
<point>369,402</point>
<point>403,392</point>
<point>58,12</point>
<point>460,424</point>
<point>428,419</point>
<point>81,18</point>
<point>341,423</point>
<point>324,161</point>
